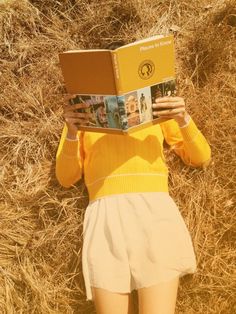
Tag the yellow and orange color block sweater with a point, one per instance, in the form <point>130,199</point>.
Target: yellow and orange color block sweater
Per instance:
<point>115,164</point>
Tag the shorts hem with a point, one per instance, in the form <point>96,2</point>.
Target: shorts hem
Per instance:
<point>107,289</point>
<point>178,274</point>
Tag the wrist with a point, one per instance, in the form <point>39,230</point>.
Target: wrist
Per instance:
<point>72,136</point>
<point>183,120</point>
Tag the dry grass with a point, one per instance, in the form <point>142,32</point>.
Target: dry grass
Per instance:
<point>40,221</point>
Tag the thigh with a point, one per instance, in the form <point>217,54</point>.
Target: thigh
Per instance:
<point>107,302</point>
<point>160,298</point>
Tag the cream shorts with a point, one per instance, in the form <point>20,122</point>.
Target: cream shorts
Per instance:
<point>134,240</point>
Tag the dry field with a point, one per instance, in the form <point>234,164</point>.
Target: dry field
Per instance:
<point>40,221</point>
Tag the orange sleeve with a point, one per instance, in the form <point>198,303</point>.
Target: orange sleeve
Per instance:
<point>188,142</point>
<point>69,159</point>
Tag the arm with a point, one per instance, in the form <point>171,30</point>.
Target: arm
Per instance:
<point>181,133</point>
<point>70,153</point>
<point>188,142</point>
<point>69,159</point>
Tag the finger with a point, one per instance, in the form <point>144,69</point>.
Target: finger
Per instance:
<point>169,99</point>
<point>69,96</point>
<point>83,115</point>
<point>76,120</point>
<point>169,116</point>
<point>169,112</point>
<point>168,105</point>
<point>74,107</point>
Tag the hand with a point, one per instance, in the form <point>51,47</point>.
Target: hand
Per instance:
<point>73,117</point>
<point>171,107</point>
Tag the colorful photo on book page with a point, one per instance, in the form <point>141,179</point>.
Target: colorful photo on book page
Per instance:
<point>131,105</point>
<point>145,104</point>
<point>112,111</point>
<point>99,110</point>
<point>170,88</point>
<point>122,112</point>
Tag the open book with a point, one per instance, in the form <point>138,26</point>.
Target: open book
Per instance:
<point>121,85</point>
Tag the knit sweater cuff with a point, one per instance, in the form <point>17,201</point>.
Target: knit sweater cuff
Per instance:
<point>71,148</point>
<point>190,131</point>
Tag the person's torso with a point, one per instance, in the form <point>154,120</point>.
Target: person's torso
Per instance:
<point>109,154</point>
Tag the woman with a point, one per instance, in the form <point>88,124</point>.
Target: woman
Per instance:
<point>134,236</point>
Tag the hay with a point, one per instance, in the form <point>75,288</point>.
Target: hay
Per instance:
<point>40,221</point>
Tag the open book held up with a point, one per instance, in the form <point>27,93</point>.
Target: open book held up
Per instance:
<point>121,85</point>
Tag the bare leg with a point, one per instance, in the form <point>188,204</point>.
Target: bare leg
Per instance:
<point>158,299</point>
<point>107,302</point>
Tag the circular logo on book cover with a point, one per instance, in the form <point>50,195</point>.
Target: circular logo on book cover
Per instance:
<point>146,69</point>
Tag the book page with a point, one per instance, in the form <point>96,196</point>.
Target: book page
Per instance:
<point>142,41</point>
<point>88,72</point>
<point>83,50</point>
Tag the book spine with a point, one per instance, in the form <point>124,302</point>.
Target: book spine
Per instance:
<point>116,72</point>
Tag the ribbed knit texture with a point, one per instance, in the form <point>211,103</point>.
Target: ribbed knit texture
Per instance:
<point>115,164</point>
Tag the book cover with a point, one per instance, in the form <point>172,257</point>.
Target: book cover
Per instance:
<point>120,85</point>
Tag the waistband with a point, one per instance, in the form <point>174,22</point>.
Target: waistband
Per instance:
<point>127,183</point>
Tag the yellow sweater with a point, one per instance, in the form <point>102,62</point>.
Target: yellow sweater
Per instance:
<point>115,164</point>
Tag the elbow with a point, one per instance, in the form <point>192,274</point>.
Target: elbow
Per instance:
<point>207,158</point>
<point>203,162</point>
<point>64,184</point>
<point>206,163</point>
<point>62,181</point>
<point>67,179</point>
